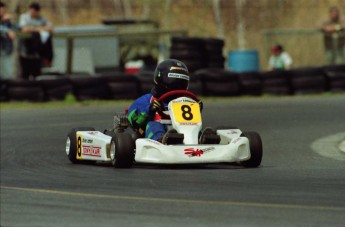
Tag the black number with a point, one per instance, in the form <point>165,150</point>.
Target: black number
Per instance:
<point>79,146</point>
<point>186,112</point>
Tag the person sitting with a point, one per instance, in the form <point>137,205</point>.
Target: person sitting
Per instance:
<point>279,60</point>
<point>143,114</point>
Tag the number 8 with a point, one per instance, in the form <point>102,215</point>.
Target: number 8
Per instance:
<point>186,112</point>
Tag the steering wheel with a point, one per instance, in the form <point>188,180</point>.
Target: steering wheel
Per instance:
<point>180,93</point>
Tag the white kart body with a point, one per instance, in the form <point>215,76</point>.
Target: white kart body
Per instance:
<point>232,148</point>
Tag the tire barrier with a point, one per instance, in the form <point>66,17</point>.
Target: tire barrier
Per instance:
<point>195,84</point>
<point>205,82</point>
<point>335,77</point>
<point>86,88</point>
<point>250,83</point>
<point>25,90</point>
<point>146,81</point>
<point>307,80</point>
<point>198,53</point>
<point>55,87</point>
<point>213,52</point>
<point>275,83</point>
<point>218,82</point>
<point>122,87</point>
<point>3,90</point>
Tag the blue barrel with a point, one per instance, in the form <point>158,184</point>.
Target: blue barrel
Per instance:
<point>243,60</point>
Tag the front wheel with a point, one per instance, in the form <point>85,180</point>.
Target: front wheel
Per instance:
<point>122,150</point>
<point>255,146</point>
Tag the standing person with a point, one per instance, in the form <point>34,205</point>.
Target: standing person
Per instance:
<point>279,60</point>
<point>7,36</point>
<point>334,37</point>
<point>30,49</point>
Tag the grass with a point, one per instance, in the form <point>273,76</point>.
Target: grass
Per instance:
<point>71,101</point>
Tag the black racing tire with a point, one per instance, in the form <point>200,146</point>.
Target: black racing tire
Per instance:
<point>71,144</point>
<point>255,146</point>
<point>122,150</point>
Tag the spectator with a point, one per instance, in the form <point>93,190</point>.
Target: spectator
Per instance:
<point>32,50</point>
<point>279,60</point>
<point>7,36</point>
<point>334,37</point>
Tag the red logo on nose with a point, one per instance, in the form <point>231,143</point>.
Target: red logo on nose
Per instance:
<point>193,152</point>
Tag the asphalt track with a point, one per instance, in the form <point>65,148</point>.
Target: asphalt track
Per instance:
<point>295,186</point>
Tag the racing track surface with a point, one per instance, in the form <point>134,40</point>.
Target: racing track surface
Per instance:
<point>295,186</point>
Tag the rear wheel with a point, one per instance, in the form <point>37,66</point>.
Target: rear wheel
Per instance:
<point>71,144</point>
<point>255,146</point>
<point>122,150</point>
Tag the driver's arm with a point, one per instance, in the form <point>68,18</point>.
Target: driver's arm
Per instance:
<point>138,112</point>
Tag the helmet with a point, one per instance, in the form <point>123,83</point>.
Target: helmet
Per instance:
<point>170,75</point>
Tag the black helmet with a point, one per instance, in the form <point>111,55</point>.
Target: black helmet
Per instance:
<point>170,75</point>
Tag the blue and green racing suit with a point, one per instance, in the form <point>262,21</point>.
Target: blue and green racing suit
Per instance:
<point>142,120</point>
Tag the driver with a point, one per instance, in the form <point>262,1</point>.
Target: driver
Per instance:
<point>143,114</point>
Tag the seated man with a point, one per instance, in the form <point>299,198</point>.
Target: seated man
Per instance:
<point>143,114</point>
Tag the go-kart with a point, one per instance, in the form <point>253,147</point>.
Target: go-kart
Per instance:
<point>123,146</point>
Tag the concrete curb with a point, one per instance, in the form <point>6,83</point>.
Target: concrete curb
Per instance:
<point>332,146</point>
<point>342,146</point>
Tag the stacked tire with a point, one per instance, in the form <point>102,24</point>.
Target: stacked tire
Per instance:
<point>87,87</point>
<point>25,90</point>
<point>188,50</point>
<point>145,79</point>
<point>335,77</point>
<point>55,87</point>
<point>307,80</point>
<point>218,82</point>
<point>250,83</point>
<point>275,83</point>
<point>3,90</point>
<point>122,86</point>
<point>198,53</point>
<point>213,53</point>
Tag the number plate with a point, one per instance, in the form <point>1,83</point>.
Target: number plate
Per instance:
<point>185,112</point>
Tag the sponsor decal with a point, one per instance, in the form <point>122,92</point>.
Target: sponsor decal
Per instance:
<point>183,100</point>
<point>192,152</point>
<point>178,75</point>
<point>92,133</point>
<point>188,123</point>
<point>92,151</point>
<point>178,68</point>
<point>87,140</point>
<point>79,139</point>
<point>236,140</point>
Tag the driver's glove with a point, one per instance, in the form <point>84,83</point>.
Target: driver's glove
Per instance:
<point>155,106</point>
<point>201,105</point>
